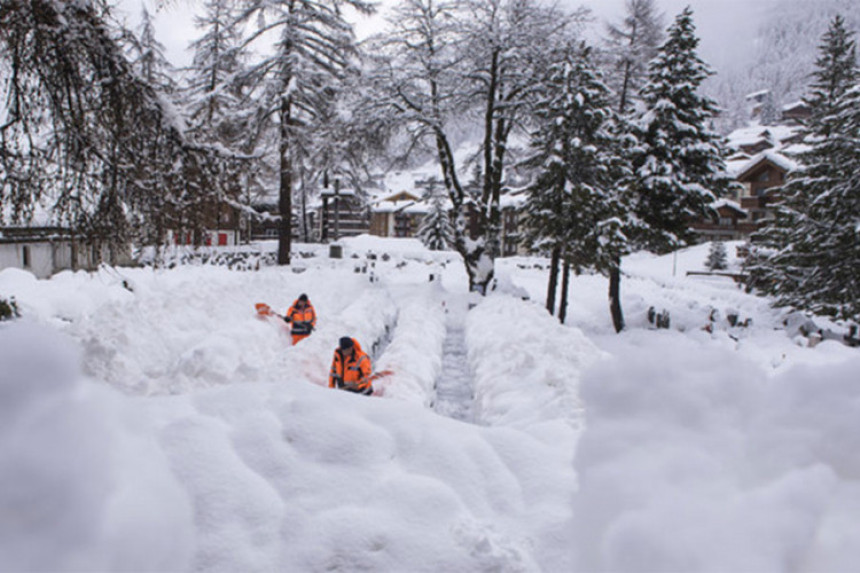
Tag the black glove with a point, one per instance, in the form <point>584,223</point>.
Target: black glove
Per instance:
<point>287,319</point>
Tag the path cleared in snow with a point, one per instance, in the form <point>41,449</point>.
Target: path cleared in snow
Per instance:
<point>454,387</point>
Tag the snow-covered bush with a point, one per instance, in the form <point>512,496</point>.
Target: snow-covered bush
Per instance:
<point>8,309</point>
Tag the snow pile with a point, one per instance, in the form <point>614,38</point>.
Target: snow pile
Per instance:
<point>149,421</point>
<point>695,461</point>
<point>83,483</point>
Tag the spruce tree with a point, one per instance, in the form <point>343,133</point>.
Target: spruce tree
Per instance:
<point>679,164</point>
<point>717,257</point>
<point>809,255</point>
<point>436,231</point>
<point>574,209</point>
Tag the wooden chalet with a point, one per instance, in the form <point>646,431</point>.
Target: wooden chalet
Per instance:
<point>761,178</point>
<point>398,215</point>
<point>343,213</point>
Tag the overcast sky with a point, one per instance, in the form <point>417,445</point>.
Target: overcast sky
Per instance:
<point>724,26</point>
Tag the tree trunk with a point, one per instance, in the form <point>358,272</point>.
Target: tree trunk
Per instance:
<point>285,198</point>
<point>565,284</point>
<point>553,279</point>
<point>615,295</point>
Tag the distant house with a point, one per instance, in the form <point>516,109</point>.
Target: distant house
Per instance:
<point>398,215</point>
<point>760,162</point>
<point>796,113</point>
<point>761,178</point>
<point>221,226</point>
<point>729,225</point>
<point>343,213</point>
<point>46,250</point>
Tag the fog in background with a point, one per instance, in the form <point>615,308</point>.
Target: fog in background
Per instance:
<point>752,45</point>
<point>726,27</point>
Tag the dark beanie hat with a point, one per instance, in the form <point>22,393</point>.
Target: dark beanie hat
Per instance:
<point>346,343</point>
<point>303,297</point>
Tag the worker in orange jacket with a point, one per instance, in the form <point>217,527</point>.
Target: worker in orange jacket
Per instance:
<point>350,368</point>
<point>302,318</point>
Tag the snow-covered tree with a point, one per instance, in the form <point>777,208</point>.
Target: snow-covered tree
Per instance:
<point>436,231</point>
<point>314,45</point>
<point>444,64</point>
<point>576,209</point>
<point>148,56</point>
<point>84,133</point>
<point>809,255</point>
<point>717,257</point>
<point>631,44</point>
<point>679,164</point>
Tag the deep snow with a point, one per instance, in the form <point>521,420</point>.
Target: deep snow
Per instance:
<point>149,421</point>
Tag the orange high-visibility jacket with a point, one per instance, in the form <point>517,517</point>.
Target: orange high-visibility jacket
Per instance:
<point>352,370</point>
<point>303,320</point>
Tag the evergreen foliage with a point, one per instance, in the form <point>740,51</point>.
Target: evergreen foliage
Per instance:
<point>679,163</point>
<point>436,231</point>
<point>809,255</point>
<point>717,257</point>
<point>577,206</point>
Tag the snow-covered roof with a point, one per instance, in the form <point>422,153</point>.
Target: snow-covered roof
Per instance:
<point>774,157</point>
<point>752,134</point>
<point>757,95</point>
<point>400,206</point>
<point>734,205</point>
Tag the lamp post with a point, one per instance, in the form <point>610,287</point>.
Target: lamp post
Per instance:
<point>336,208</point>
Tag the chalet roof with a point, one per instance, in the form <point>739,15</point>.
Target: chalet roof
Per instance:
<point>775,135</point>
<point>777,159</point>
<point>796,106</point>
<point>400,206</point>
<point>728,203</point>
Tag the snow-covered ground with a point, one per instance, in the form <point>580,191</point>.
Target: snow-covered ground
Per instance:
<point>149,421</point>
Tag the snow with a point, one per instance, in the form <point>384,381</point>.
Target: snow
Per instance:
<point>149,421</point>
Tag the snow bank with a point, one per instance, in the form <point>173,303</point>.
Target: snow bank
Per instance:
<point>695,460</point>
<point>83,484</point>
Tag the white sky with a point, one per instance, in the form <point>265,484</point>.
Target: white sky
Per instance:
<point>166,428</point>
<point>724,26</point>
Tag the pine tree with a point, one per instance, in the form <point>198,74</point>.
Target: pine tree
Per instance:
<point>680,168</point>
<point>809,255</point>
<point>436,231</point>
<point>717,257</point>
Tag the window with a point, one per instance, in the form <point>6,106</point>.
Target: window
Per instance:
<point>725,221</point>
<point>25,256</point>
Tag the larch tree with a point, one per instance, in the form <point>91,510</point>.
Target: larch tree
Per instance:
<point>313,47</point>
<point>631,44</point>
<point>82,132</point>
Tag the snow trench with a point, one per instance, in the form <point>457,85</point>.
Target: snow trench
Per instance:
<point>454,387</point>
